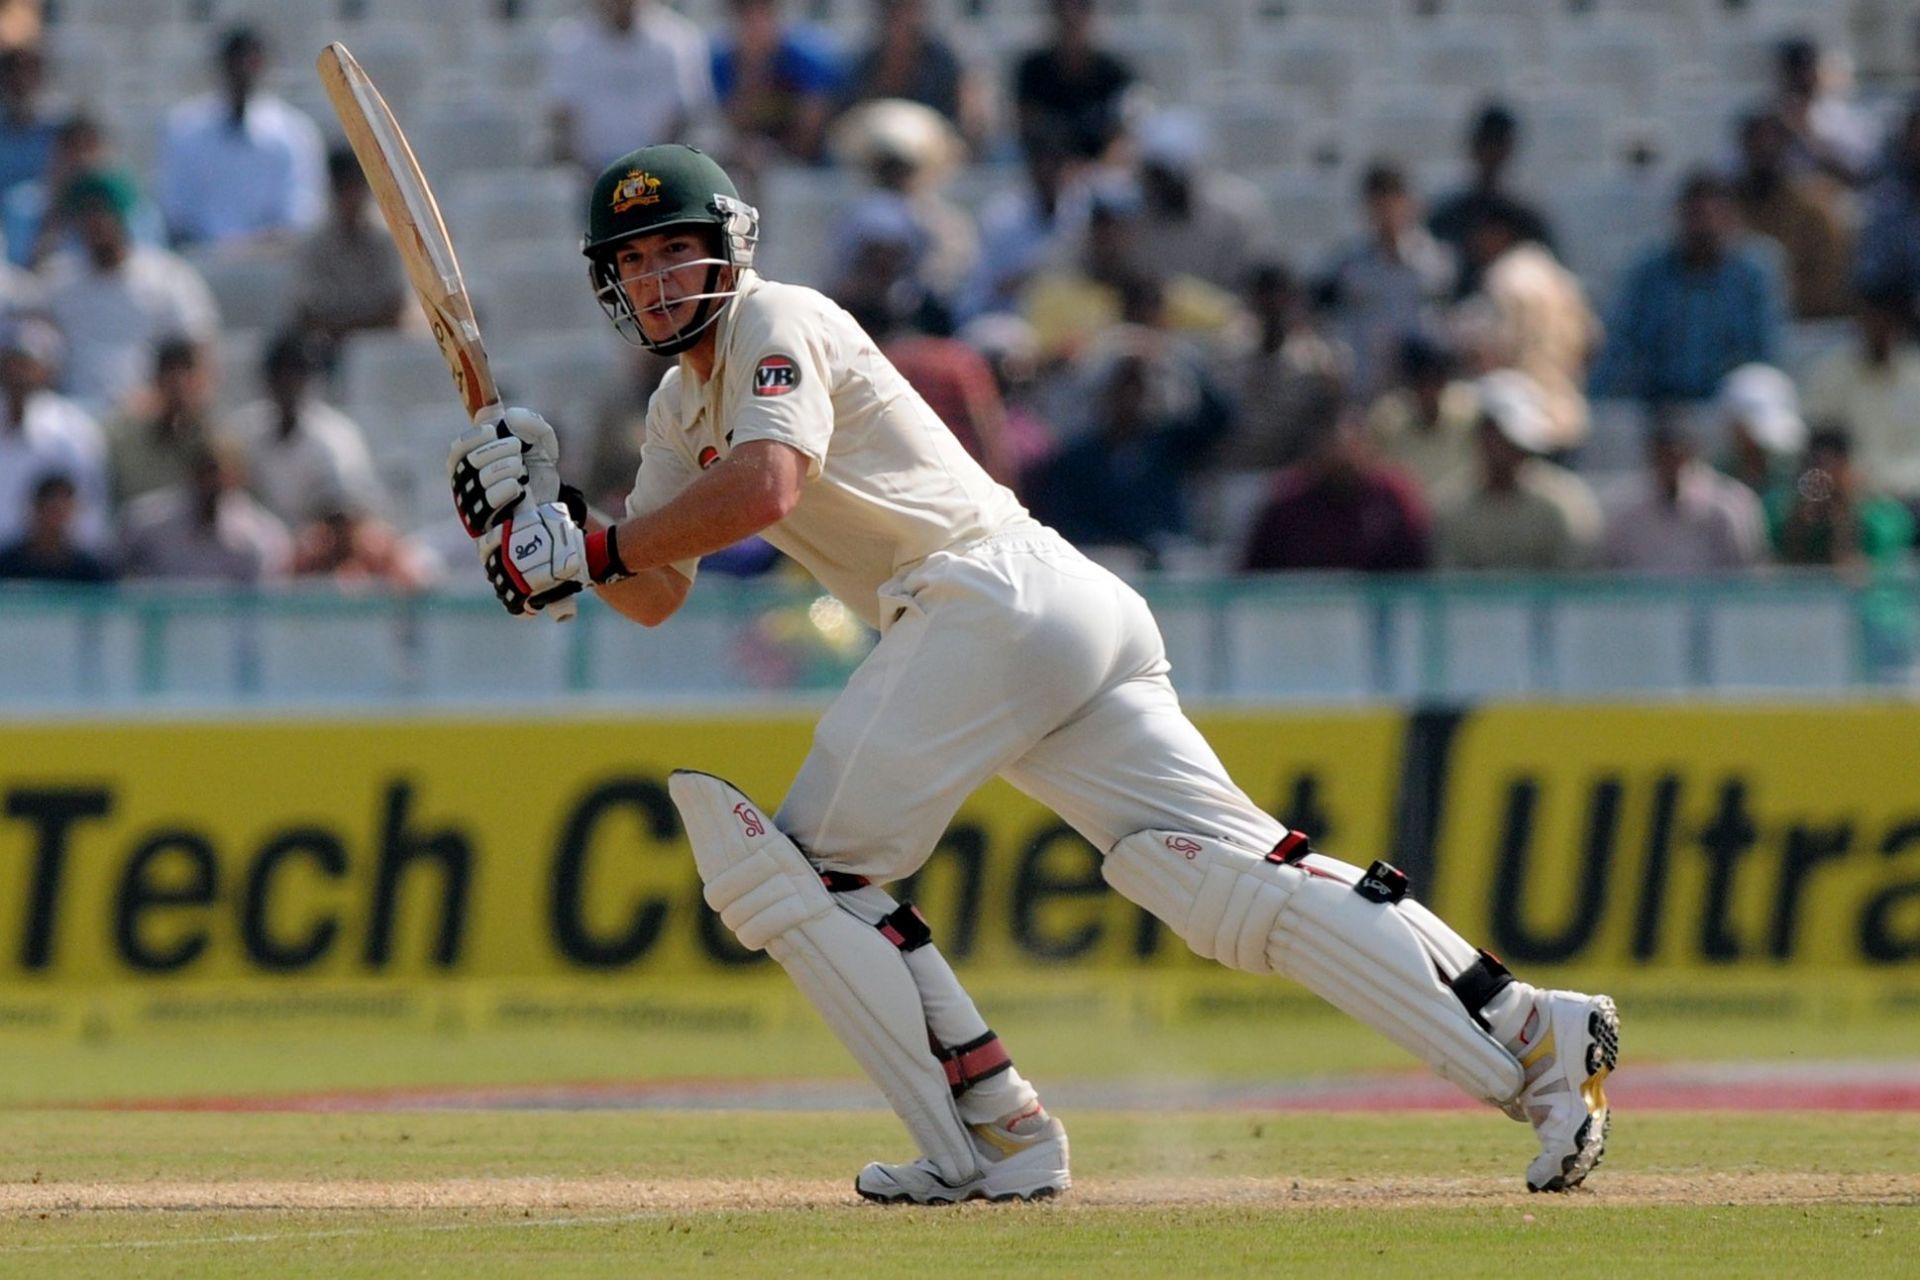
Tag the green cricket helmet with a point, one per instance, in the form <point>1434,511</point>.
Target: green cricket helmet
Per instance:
<point>655,189</point>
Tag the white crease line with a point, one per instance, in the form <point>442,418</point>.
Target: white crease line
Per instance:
<point>331,1233</point>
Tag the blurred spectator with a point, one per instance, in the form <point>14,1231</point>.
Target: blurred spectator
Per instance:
<point>877,269</point>
<point>1804,213</point>
<point>42,432</point>
<point>1383,287</point>
<point>1825,516</point>
<point>1887,257</point>
<point>1340,507</point>
<point>1012,354</point>
<point>1492,140</point>
<point>26,129</point>
<point>1521,513</point>
<point>908,151</point>
<point>239,163</point>
<point>1760,410</point>
<point>777,82</point>
<point>1071,84</point>
<point>1828,134</point>
<point>1427,425</point>
<point>1537,315</point>
<point>1871,391</point>
<point>952,377</point>
<point>1195,219</point>
<point>209,529</point>
<point>619,426</point>
<point>1084,294</point>
<point>909,59</point>
<point>1682,516</point>
<point>116,300</point>
<point>1022,229</point>
<point>354,547</point>
<point>1276,364</point>
<point>34,214</point>
<point>46,551</point>
<point>153,438</point>
<point>624,73</point>
<point>1152,415</point>
<point>348,275</point>
<point>1694,309</point>
<point>307,460</point>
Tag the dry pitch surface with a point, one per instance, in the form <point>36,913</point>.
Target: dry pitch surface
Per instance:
<point>754,1193</point>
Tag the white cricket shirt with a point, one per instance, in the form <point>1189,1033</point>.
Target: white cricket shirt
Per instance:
<point>887,483</point>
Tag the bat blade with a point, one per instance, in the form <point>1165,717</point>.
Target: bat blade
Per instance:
<point>413,219</point>
<point>419,233</point>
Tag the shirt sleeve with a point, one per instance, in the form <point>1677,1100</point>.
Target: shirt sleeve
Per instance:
<point>781,376</point>
<point>663,473</point>
<point>194,313</point>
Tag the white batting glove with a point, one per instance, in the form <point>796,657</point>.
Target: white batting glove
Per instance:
<point>493,466</point>
<point>535,557</point>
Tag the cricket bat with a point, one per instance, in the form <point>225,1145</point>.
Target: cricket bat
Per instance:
<point>413,220</point>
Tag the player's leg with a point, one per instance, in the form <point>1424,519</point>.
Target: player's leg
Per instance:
<point>1138,780</point>
<point>892,759</point>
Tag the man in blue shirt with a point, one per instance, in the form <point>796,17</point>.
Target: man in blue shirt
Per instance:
<point>776,82</point>
<point>1694,309</point>
<point>26,130</point>
<point>240,163</point>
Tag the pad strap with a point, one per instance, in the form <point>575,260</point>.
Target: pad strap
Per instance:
<point>1478,983</point>
<point>906,928</point>
<point>968,1064</point>
<point>1293,846</point>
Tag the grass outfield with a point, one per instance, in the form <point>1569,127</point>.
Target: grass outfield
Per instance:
<point>1050,1038</point>
<point>477,1194</point>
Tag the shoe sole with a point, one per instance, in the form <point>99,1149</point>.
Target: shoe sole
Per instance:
<point>1603,1055</point>
<point>1009,1197</point>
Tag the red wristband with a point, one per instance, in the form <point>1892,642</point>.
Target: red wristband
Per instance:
<point>603,556</point>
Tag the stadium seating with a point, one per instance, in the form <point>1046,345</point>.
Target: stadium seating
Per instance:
<point>254,287</point>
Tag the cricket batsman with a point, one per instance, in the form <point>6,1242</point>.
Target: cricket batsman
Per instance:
<point>1002,651</point>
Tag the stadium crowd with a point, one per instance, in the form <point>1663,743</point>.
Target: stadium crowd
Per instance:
<point>1121,333</point>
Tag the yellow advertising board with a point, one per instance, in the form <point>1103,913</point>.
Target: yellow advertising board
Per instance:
<point>190,852</point>
<point>1766,841</point>
<point>191,872</point>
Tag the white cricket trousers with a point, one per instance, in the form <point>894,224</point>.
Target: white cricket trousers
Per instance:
<point>1020,657</point>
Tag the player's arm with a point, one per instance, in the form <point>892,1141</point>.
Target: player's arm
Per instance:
<point>753,488</point>
<point>537,556</point>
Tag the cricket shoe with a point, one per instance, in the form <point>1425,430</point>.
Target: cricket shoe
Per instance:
<point>1021,1158</point>
<point>1568,1046</point>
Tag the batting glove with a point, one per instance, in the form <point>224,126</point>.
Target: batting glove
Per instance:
<point>493,466</point>
<point>535,557</point>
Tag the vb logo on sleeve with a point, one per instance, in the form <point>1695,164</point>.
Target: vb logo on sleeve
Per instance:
<point>775,376</point>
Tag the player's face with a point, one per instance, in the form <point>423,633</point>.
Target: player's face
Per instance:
<point>664,275</point>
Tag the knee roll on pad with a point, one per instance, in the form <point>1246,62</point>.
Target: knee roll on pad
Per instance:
<point>1387,964</point>
<point>772,899</point>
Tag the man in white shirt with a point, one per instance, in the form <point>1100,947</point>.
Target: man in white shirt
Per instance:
<point>1871,390</point>
<point>208,529</point>
<point>115,300</point>
<point>1521,513</point>
<point>1682,517</point>
<point>1002,651</point>
<point>44,433</point>
<point>624,73</point>
<point>306,459</point>
<point>239,162</point>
